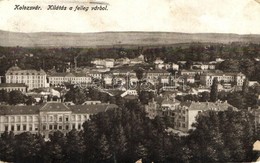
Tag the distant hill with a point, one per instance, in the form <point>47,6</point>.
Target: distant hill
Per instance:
<point>104,39</point>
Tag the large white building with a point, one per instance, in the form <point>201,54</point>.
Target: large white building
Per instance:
<point>45,119</point>
<point>186,113</point>
<point>31,78</point>
<point>207,78</point>
<point>69,77</point>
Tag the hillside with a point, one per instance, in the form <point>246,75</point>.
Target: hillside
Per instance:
<point>104,39</point>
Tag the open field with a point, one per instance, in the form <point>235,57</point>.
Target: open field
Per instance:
<point>105,39</point>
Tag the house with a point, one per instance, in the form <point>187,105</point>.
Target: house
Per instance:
<point>108,63</point>
<point>203,66</point>
<point>158,61</point>
<point>175,66</point>
<point>138,60</point>
<point>186,112</point>
<point>108,79</point>
<point>47,118</point>
<point>236,78</point>
<point>122,61</point>
<point>94,74</point>
<point>161,106</point>
<point>132,92</point>
<point>91,102</point>
<point>13,86</point>
<point>31,78</point>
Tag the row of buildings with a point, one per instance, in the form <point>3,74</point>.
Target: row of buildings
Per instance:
<point>48,117</point>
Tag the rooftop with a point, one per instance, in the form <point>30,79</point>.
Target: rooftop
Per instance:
<point>221,106</point>
<point>55,107</point>
<point>12,85</point>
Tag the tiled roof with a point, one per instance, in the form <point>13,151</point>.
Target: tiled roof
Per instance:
<point>92,109</point>
<point>67,74</point>
<point>16,69</point>
<point>55,106</point>
<point>170,101</point>
<point>19,110</point>
<point>12,85</point>
<point>206,105</point>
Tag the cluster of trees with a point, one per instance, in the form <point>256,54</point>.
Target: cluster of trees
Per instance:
<point>59,57</point>
<point>126,135</point>
<point>15,97</point>
<point>244,99</point>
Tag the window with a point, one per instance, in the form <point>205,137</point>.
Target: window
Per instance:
<point>60,127</point>
<point>50,127</point>
<point>67,127</point>
<point>18,119</point>
<point>67,119</point>
<point>55,127</point>
<point>79,117</point>
<point>44,127</point>
<point>60,119</point>
<point>30,127</point>
<point>12,127</point>
<point>73,126</point>
<point>5,119</point>
<point>18,127</point>
<point>79,126</point>
<point>6,127</point>
<point>24,127</point>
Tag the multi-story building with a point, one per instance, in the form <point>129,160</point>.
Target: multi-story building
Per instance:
<point>13,86</point>
<point>45,119</point>
<point>236,78</point>
<point>31,78</point>
<point>186,112</point>
<point>69,77</point>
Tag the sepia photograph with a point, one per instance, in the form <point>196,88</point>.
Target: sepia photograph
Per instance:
<point>141,81</point>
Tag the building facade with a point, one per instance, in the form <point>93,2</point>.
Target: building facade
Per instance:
<point>236,78</point>
<point>45,119</point>
<point>31,78</point>
<point>13,87</point>
<point>186,113</point>
<point>69,77</point>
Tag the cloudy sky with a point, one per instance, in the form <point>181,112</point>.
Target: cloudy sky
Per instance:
<point>191,16</point>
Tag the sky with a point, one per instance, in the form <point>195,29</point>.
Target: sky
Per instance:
<point>188,16</point>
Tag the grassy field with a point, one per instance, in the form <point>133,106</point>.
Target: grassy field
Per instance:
<point>107,39</point>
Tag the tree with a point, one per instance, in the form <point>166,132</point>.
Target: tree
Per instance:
<point>16,97</point>
<point>76,95</point>
<point>103,149</point>
<point>245,87</point>
<point>205,96</point>
<point>7,147</point>
<point>30,100</point>
<point>27,148</point>
<point>75,146</point>
<point>4,96</point>
<point>56,147</point>
<point>214,90</point>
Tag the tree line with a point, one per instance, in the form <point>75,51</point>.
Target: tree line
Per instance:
<point>47,58</point>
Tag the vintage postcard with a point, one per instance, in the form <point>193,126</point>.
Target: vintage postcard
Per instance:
<point>129,81</point>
